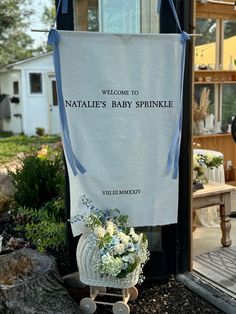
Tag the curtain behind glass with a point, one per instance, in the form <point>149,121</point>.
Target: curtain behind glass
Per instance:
<point>119,16</point>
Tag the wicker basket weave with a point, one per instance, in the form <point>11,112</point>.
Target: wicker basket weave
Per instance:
<point>87,256</point>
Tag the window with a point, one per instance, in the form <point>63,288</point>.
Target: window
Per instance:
<point>15,87</point>
<point>93,24</point>
<point>120,16</point>
<point>229,44</point>
<point>35,83</point>
<point>205,46</point>
<point>228,103</point>
<point>86,17</point>
<point>215,65</point>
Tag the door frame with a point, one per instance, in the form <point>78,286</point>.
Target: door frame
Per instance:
<point>50,78</point>
<point>183,229</point>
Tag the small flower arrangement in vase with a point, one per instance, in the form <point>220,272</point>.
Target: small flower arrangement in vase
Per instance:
<point>202,162</point>
<point>117,253</point>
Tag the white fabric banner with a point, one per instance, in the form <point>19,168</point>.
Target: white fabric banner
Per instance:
<point>122,100</point>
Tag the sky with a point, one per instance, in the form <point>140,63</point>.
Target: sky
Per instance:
<point>38,6</point>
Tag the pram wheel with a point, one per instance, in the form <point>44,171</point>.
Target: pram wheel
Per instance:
<point>120,307</point>
<point>133,293</point>
<point>88,306</point>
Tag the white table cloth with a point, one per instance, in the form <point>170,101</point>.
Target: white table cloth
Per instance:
<point>209,217</point>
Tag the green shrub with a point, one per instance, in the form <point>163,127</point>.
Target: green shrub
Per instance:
<point>40,131</point>
<point>53,210</point>
<point>38,181</point>
<point>39,201</point>
<point>46,234</point>
<point>44,227</point>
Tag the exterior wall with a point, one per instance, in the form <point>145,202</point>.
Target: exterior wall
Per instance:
<point>33,109</point>
<point>36,106</point>
<point>6,86</point>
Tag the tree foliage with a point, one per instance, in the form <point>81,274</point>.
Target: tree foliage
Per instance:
<point>207,27</point>
<point>17,47</point>
<point>12,15</point>
<point>230,28</point>
<point>15,44</point>
<point>47,19</point>
<point>49,15</point>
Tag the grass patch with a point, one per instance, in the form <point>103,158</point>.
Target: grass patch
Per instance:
<point>11,146</point>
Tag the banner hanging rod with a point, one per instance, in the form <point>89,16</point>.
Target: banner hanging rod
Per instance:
<point>47,31</point>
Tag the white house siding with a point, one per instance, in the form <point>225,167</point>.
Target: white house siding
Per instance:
<point>34,108</point>
<point>6,82</point>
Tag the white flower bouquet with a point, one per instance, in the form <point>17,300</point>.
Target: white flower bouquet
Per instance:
<point>119,249</point>
<point>201,162</point>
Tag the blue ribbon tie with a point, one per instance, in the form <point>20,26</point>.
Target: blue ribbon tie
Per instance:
<point>54,39</point>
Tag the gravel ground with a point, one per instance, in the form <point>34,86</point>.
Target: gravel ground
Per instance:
<point>164,297</point>
<point>168,296</point>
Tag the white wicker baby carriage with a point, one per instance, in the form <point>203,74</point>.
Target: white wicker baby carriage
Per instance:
<point>87,256</point>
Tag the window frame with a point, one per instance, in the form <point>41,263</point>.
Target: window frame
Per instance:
<point>16,87</point>
<point>149,18</point>
<point>219,57</point>
<point>30,86</point>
